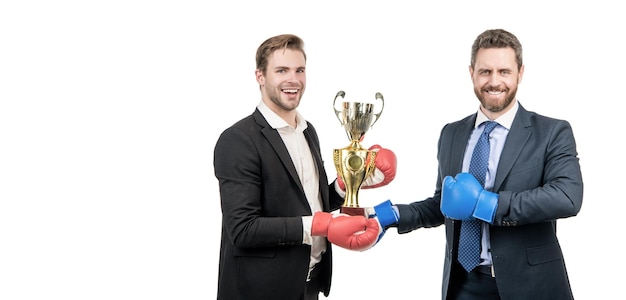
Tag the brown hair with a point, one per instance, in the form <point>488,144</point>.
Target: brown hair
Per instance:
<point>283,41</point>
<point>497,38</point>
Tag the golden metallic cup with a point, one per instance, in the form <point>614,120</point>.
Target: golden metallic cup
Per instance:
<point>355,163</point>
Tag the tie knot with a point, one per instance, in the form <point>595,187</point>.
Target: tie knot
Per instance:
<point>489,126</point>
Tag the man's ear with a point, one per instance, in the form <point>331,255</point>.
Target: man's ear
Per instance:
<point>259,77</point>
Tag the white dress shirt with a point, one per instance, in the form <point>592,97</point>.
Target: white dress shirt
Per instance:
<point>302,159</point>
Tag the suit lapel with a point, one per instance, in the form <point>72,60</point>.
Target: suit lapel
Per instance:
<point>273,137</point>
<point>516,139</point>
<point>317,157</point>
<point>458,149</point>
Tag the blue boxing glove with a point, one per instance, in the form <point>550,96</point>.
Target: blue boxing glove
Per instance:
<point>386,215</point>
<point>463,198</point>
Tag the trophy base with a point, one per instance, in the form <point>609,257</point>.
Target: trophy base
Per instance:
<point>353,211</point>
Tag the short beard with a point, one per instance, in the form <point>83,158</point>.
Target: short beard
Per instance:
<point>498,107</point>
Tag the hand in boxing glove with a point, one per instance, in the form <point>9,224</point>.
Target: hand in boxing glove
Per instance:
<point>351,232</point>
<point>386,216</point>
<point>384,173</point>
<point>464,198</point>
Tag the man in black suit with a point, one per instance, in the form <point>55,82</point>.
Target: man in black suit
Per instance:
<point>533,178</point>
<point>275,196</point>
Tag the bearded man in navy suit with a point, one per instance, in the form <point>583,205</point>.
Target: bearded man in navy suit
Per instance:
<point>533,178</point>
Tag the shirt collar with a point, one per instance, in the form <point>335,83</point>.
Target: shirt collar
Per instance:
<point>504,120</point>
<point>276,121</point>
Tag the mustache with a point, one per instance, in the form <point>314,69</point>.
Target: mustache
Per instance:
<point>496,88</point>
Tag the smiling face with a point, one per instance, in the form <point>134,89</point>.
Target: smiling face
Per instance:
<point>496,76</point>
<point>283,83</point>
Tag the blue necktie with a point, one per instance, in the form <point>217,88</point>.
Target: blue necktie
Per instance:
<point>469,241</point>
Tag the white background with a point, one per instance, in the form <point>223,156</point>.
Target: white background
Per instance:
<point>109,111</point>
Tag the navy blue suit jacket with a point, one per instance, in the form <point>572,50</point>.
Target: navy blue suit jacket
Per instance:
<point>538,181</point>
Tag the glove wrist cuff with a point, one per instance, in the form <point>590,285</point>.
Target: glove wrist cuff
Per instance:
<point>486,206</point>
<point>321,220</point>
<point>386,215</point>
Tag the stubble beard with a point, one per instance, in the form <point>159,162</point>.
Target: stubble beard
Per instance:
<point>274,94</point>
<point>284,105</point>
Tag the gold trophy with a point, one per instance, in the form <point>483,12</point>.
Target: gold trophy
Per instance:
<point>355,163</point>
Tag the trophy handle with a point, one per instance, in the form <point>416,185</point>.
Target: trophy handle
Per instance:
<point>377,115</point>
<point>341,94</point>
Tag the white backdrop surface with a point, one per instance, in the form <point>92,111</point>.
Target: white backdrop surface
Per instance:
<point>109,111</point>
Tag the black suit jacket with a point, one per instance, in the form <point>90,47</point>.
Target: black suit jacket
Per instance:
<point>538,181</point>
<point>262,255</point>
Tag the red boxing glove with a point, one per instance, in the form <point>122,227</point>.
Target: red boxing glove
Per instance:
<point>384,173</point>
<point>351,232</point>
